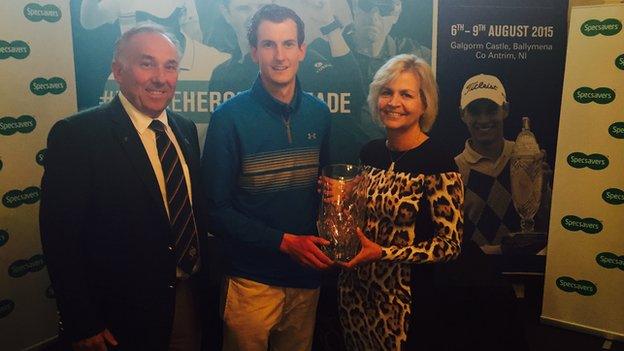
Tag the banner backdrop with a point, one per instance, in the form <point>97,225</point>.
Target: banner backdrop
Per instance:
<point>522,44</point>
<point>216,63</point>
<point>584,283</point>
<point>348,40</point>
<point>38,87</point>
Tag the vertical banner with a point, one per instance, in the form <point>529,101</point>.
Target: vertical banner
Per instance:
<point>584,283</point>
<point>509,55</point>
<point>38,88</point>
<point>347,41</point>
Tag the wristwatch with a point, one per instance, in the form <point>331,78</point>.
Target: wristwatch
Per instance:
<point>336,24</point>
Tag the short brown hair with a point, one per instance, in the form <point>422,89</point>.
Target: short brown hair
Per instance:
<point>276,14</point>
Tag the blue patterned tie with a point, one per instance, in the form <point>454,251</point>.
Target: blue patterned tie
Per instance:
<point>181,216</point>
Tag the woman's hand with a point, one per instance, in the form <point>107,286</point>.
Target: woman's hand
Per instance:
<point>370,252</point>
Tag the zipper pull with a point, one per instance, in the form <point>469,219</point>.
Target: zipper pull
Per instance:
<point>288,133</point>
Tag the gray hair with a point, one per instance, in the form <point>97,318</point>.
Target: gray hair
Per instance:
<point>122,42</point>
<point>428,86</point>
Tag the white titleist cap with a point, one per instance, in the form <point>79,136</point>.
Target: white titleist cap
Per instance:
<point>483,86</point>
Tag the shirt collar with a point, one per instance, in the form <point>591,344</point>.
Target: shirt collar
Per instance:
<point>272,104</point>
<point>140,120</point>
<point>471,156</point>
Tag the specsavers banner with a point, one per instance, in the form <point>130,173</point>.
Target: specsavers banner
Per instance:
<point>584,283</point>
<point>38,88</point>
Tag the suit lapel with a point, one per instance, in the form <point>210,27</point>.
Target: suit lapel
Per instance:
<point>130,141</point>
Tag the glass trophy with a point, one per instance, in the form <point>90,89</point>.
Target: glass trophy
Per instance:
<point>341,211</point>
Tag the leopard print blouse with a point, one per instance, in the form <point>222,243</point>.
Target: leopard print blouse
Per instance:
<point>414,212</point>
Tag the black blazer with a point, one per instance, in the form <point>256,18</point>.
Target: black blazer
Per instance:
<point>105,230</point>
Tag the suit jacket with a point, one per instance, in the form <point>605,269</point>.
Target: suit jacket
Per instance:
<point>105,230</point>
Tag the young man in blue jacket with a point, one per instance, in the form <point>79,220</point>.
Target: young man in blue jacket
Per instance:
<point>261,160</point>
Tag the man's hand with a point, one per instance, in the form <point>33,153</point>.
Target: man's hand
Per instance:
<point>370,251</point>
<point>304,249</point>
<point>97,342</point>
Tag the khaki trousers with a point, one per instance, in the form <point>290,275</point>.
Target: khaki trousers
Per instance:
<point>257,315</point>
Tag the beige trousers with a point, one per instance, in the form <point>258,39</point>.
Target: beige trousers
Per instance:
<point>257,315</point>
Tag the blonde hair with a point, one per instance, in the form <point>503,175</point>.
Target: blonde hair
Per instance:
<point>428,86</point>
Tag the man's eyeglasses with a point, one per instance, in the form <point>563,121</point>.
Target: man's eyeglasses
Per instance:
<point>386,8</point>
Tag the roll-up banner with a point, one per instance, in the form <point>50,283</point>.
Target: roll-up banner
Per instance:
<point>510,53</point>
<point>38,87</point>
<point>584,282</point>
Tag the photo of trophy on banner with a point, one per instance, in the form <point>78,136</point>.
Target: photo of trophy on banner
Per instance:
<point>341,211</point>
<point>526,177</point>
<point>527,185</point>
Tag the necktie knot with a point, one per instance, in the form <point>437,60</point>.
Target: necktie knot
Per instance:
<point>157,126</point>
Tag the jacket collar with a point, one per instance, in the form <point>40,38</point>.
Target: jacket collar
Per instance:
<point>259,93</point>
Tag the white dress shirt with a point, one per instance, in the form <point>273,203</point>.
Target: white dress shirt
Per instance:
<point>141,123</point>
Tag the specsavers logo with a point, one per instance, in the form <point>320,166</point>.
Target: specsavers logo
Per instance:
<point>588,225</point>
<point>610,260</point>
<point>17,49</point>
<point>6,307</point>
<point>613,196</point>
<point>16,198</point>
<point>20,268</point>
<point>42,86</point>
<point>23,124</point>
<point>4,237</point>
<point>602,95</point>
<point>608,27</point>
<point>581,287</point>
<point>619,62</point>
<point>40,157</point>
<point>36,13</point>
<point>593,161</point>
<point>617,130</point>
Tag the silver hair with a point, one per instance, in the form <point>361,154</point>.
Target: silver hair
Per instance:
<point>428,86</point>
<point>122,42</point>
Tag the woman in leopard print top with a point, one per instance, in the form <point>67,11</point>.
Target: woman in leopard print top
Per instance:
<point>414,200</point>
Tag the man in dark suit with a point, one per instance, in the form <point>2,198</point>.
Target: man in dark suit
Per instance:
<point>120,210</point>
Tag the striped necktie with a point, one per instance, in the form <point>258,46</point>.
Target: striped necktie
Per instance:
<point>181,217</point>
